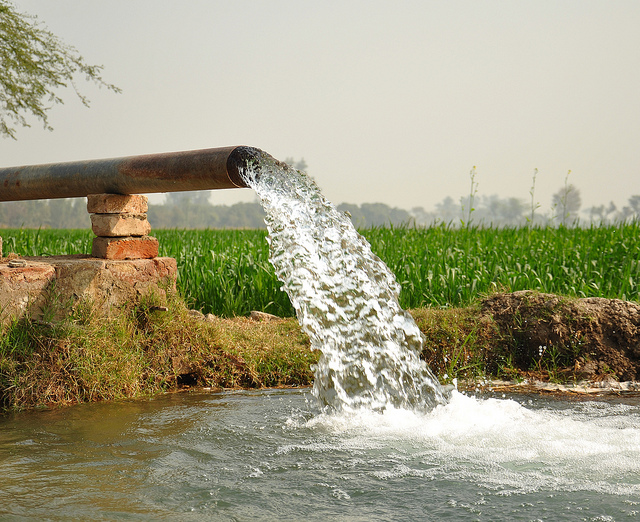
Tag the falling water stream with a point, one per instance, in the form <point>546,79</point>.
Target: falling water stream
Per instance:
<point>376,439</point>
<point>345,297</point>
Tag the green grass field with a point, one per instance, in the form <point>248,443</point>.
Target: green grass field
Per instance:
<point>227,272</point>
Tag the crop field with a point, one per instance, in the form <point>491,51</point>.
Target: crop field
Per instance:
<point>227,272</point>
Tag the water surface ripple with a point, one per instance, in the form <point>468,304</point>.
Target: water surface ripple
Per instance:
<point>275,455</point>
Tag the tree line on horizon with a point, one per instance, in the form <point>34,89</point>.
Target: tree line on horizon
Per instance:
<point>193,210</point>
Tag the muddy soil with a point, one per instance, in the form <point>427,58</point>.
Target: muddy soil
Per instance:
<point>593,338</point>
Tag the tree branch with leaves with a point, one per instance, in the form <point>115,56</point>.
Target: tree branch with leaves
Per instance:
<point>34,65</point>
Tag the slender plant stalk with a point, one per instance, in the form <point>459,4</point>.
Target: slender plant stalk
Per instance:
<point>534,204</point>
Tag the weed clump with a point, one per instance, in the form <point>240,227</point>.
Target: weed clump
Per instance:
<point>144,350</point>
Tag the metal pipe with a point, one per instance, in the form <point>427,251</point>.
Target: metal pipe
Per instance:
<point>167,172</point>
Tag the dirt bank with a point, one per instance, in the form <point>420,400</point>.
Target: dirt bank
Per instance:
<point>535,337</point>
<point>590,338</point>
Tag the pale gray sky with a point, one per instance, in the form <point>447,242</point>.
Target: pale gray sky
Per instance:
<point>391,101</point>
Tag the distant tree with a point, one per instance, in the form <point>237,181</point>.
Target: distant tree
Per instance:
<point>512,211</point>
<point>245,215</point>
<point>597,213</point>
<point>298,165</point>
<point>611,210</point>
<point>420,216</point>
<point>448,210</point>
<point>374,214</point>
<point>239,215</point>
<point>625,214</point>
<point>354,213</point>
<point>68,213</point>
<point>380,214</point>
<point>634,203</point>
<point>567,203</point>
<point>45,213</point>
<point>496,211</point>
<point>34,65</point>
<point>193,197</point>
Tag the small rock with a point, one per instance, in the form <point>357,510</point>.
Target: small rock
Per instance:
<point>589,369</point>
<point>197,314</point>
<point>262,316</point>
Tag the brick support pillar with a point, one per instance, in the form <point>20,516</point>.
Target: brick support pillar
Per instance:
<point>121,226</point>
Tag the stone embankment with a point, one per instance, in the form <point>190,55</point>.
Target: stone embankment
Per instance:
<point>34,285</point>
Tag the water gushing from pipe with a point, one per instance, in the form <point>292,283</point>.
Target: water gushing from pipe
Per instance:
<point>346,298</point>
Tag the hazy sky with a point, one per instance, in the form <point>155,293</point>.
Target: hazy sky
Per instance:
<point>391,101</point>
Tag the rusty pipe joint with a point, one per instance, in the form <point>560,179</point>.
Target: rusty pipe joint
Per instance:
<point>206,169</point>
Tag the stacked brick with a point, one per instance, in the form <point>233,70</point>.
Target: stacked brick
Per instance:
<point>121,226</point>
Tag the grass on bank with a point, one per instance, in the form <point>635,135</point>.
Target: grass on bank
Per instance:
<point>144,350</point>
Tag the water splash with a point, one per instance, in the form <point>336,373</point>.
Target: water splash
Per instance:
<point>345,297</point>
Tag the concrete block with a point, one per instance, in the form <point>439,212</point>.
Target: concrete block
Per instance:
<point>58,281</point>
<point>120,225</point>
<point>23,288</point>
<point>145,247</point>
<point>117,204</point>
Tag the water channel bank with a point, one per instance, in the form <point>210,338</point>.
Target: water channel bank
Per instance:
<point>161,345</point>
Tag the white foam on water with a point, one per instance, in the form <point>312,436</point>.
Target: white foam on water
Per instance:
<point>496,443</point>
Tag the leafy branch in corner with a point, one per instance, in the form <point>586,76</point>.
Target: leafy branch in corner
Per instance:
<point>34,65</point>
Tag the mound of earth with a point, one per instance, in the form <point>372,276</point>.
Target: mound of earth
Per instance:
<point>591,338</point>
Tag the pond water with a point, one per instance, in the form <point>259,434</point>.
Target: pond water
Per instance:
<point>274,455</point>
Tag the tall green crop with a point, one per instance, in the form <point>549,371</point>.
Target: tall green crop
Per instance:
<point>46,242</point>
<point>227,272</point>
<point>442,266</point>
